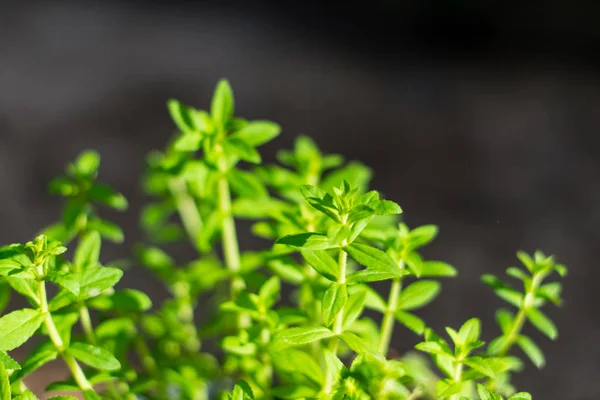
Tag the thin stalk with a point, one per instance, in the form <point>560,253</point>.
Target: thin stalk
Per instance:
<point>186,207</point>
<point>88,330</point>
<point>339,319</point>
<point>458,370</point>
<point>387,324</point>
<point>231,250</point>
<point>519,321</point>
<point>72,364</point>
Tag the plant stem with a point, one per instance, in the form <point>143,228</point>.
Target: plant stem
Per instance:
<point>339,318</point>
<point>186,207</point>
<point>86,323</point>
<point>231,250</point>
<point>76,370</point>
<point>387,324</point>
<point>458,369</point>
<point>519,321</point>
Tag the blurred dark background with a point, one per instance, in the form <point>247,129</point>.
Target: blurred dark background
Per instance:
<point>479,116</point>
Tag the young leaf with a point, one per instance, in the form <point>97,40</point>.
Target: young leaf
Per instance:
<point>8,362</point>
<point>87,253</point>
<point>18,326</point>
<point>354,307</point>
<point>418,294</point>
<point>242,150</point>
<point>543,323</point>
<point>302,335</point>
<point>485,394</point>
<point>308,240</point>
<point>96,280</point>
<point>221,109</point>
<point>534,353</point>
<point>322,262</point>
<point>411,321</point>
<point>94,356</point>
<point>257,133</point>
<point>334,300</point>
<point>379,265</point>
<point>469,332</point>
<point>358,345</point>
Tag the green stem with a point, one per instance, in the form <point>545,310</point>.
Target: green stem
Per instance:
<point>339,319</point>
<point>231,250</point>
<point>186,207</point>
<point>458,370</point>
<point>86,324</point>
<point>76,370</point>
<point>519,321</point>
<point>387,324</point>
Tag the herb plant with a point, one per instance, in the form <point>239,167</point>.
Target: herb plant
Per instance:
<point>297,319</point>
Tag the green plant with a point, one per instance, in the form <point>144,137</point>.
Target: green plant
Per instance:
<point>328,238</point>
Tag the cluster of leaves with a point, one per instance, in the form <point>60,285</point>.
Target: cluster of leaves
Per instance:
<point>298,319</point>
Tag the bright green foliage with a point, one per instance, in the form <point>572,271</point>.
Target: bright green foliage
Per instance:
<point>287,322</point>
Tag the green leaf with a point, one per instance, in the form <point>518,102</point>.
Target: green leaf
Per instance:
<point>8,362</point>
<point>123,301</point>
<point>418,294</point>
<point>434,348</point>
<point>353,308</point>
<point>334,300</point>
<point>87,253</point>
<point>242,391</point>
<point>108,230</point>
<point>480,365</point>
<point>94,356</point>
<point>245,184</point>
<point>106,195</point>
<point>87,163</point>
<point>322,262</point>
<point>358,345</point>
<point>485,394</point>
<point>469,332</point>
<point>257,133</point>
<point>320,200</point>
<point>188,142</point>
<point>67,281</point>
<point>18,326</point>
<point>526,260</point>
<point>26,287</point>
<point>63,397</point>
<point>183,116</point>
<point>437,268</point>
<point>422,235</point>
<point>221,109</point>
<point>411,321</point>
<point>446,387</point>
<point>41,356</point>
<point>532,350</point>
<point>307,240</point>
<point>504,319</point>
<point>520,396</point>
<point>4,384</point>
<point>542,322</point>
<point>269,292</point>
<point>96,280</point>
<point>242,150</point>
<point>302,335</point>
<point>296,361</point>
<point>386,207</point>
<point>380,265</point>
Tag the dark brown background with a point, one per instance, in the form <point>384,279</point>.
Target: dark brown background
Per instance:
<point>479,117</point>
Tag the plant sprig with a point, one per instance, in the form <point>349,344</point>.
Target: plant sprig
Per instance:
<point>296,319</point>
